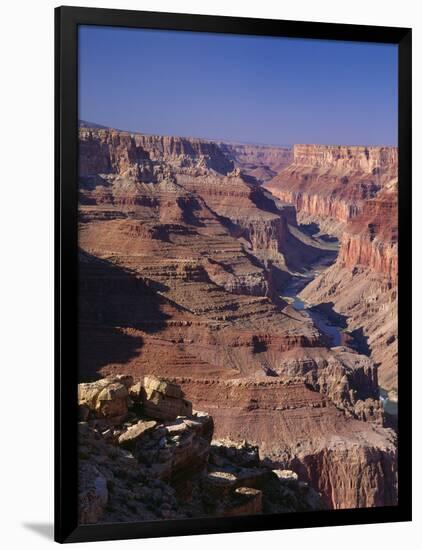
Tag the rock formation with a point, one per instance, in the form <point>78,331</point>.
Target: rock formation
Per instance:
<point>108,151</point>
<point>350,462</point>
<point>183,258</point>
<point>144,468</point>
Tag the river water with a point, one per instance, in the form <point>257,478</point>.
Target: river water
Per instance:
<point>290,294</point>
<point>296,284</point>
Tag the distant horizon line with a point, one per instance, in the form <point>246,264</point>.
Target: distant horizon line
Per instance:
<point>96,126</point>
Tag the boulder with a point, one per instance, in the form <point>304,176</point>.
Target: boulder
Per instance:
<point>177,450</point>
<point>135,433</point>
<point>135,391</point>
<point>104,398</point>
<point>124,379</point>
<point>163,400</point>
<point>167,388</point>
<point>287,476</point>
<point>112,400</point>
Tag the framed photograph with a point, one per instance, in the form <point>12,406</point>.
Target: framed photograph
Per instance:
<point>232,274</point>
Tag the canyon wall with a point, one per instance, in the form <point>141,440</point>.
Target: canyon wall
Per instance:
<point>371,238</point>
<point>362,285</point>
<point>346,159</point>
<point>329,185</point>
<point>350,462</point>
<point>105,150</point>
<point>351,192</point>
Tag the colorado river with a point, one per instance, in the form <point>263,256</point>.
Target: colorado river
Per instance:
<point>296,284</point>
<point>290,293</point>
<point>389,405</point>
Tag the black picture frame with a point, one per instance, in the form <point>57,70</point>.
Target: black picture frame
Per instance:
<point>67,20</point>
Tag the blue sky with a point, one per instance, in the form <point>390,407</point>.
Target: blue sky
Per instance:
<point>239,88</point>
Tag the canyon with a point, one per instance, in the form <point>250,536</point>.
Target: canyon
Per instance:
<point>351,192</point>
<point>222,269</point>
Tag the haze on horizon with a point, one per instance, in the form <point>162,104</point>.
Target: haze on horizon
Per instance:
<point>247,89</point>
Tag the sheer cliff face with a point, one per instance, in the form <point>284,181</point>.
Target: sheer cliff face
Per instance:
<point>181,256</point>
<point>112,152</point>
<point>329,185</point>
<point>344,159</point>
<point>370,239</point>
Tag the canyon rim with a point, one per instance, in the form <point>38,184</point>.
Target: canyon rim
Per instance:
<point>237,315</point>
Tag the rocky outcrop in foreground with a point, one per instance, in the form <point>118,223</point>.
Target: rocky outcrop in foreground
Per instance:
<point>139,459</point>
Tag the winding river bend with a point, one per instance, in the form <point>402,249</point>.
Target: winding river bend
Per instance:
<point>336,334</point>
<point>291,293</point>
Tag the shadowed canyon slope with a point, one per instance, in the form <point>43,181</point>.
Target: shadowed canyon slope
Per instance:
<point>183,261</point>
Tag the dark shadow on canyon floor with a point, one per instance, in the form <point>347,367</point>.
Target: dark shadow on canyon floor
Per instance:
<point>335,318</point>
<point>360,341</point>
<point>310,229</point>
<point>112,300</point>
<point>355,339</point>
<point>100,345</point>
<point>313,230</point>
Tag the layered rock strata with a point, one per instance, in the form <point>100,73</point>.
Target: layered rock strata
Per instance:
<point>349,461</point>
<point>362,285</point>
<point>181,262</point>
<point>353,190</point>
<point>107,151</point>
<point>143,468</point>
<point>330,184</point>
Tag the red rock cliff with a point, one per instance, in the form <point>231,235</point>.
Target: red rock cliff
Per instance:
<point>330,184</point>
<point>370,239</point>
<point>362,284</point>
